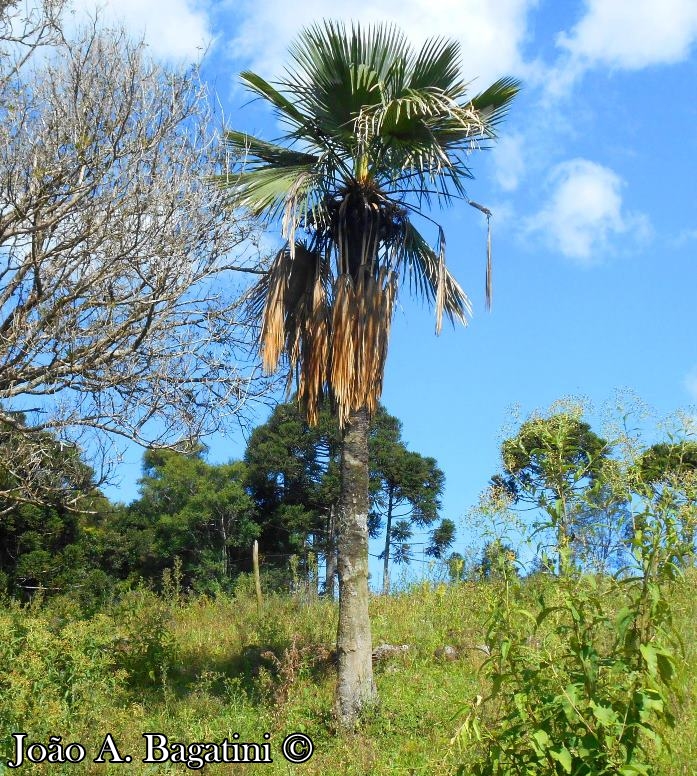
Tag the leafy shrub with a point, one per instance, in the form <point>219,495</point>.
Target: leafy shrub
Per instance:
<point>580,667</point>
<point>54,674</point>
<point>144,643</point>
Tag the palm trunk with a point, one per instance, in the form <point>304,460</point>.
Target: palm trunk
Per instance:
<point>355,687</point>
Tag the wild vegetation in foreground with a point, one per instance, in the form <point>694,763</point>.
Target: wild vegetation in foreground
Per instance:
<point>198,669</point>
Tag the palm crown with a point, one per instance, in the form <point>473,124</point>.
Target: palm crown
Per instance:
<point>374,132</point>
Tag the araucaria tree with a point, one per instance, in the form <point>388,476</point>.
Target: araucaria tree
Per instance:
<point>408,495</point>
<point>111,246</point>
<point>547,464</point>
<point>375,132</point>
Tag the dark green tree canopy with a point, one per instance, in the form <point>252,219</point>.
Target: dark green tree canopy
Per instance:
<point>664,459</point>
<point>45,491</point>
<point>441,538</point>
<point>551,456</point>
<point>407,496</point>
<point>403,475</point>
<point>551,464</point>
<point>196,511</point>
<point>293,477</point>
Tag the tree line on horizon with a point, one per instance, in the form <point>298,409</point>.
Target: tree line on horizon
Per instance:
<point>205,516</point>
<point>202,518</point>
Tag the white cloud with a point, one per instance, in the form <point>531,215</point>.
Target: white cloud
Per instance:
<point>173,29</point>
<point>491,32</point>
<point>684,237</point>
<point>509,163</point>
<point>585,212</point>
<point>626,34</point>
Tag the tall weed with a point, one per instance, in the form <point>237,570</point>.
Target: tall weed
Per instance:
<point>580,667</point>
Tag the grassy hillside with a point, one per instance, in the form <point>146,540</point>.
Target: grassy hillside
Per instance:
<point>201,670</point>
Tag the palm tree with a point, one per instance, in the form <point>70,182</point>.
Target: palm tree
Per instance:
<point>375,132</point>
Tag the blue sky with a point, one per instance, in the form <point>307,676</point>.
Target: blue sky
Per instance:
<point>593,191</point>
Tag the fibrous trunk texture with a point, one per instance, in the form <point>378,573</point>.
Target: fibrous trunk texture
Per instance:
<point>355,687</point>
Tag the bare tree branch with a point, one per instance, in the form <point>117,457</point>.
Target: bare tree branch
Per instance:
<point>119,304</point>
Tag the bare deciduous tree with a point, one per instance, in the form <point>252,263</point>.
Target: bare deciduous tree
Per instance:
<point>118,306</point>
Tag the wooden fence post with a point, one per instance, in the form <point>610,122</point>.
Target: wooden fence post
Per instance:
<point>257,578</point>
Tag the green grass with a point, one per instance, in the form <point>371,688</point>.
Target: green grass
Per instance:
<point>201,669</point>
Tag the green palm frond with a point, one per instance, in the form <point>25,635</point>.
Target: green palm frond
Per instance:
<point>266,190</point>
<point>424,134</point>
<point>256,151</point>
<point>417,108</point>
<point>283,105</point>
<point>336,73</point>
<point>438,66</point>
<point>328,54</point>
<point>493,103</point>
